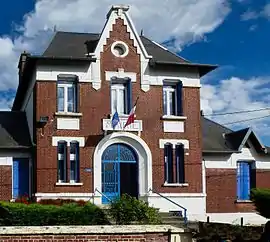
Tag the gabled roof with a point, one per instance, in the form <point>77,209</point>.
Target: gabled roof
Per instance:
<point>78,45</point>
<point>219,139</point>
<point>14,132</point>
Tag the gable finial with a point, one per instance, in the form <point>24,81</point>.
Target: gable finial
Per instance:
<point>141,32</point>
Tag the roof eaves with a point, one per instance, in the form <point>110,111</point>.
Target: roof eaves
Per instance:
<point>221,151</point>
<point>245,139</point>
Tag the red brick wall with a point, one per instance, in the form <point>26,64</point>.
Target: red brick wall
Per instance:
<point>95,105</point>
<point>5,182</point>
<point>221,189</point>
<point>158,237</point>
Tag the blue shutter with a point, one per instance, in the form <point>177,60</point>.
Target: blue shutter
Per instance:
<point>129,97</point>
<point>180,163</point>
<point>65,162</point>
<point>170,163</point>
<point>179,90</point>
<point>77,162</point>
<point>15,179</point>
<point>243,181</point>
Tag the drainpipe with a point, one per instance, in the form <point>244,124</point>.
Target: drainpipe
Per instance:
<point>203,177</point>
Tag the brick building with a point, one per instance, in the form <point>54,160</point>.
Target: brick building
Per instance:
<point>63,144</point>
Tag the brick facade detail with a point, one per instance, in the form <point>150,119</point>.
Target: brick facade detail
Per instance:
<point>158,237</point>
<point>221,189</point>
<point>95,106</point>
<point>5,183</point>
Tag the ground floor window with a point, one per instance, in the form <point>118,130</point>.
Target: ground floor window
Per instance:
<point>246,179</point>
<point>174,163</point>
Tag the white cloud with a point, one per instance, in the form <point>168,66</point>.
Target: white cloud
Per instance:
<point>251,14</point>
<point>234,95</point>
<point>160,19</point>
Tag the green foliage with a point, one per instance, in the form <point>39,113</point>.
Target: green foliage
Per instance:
<point>261,199</point>
<point>20,214</point>
<point>127,210</point>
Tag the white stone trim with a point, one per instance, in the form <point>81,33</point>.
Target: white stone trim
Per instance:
<point>69,184</point>
<point>175,185</point>
<point>229,161</point>
<point>174,142</point>
<point>144,159</point>
<point>68,123</point>
<point>173,127</point>
<point>173,117</point>
<point>152,194</point>
<point>76,196</point>
<point>96,229</point>
<point>6,161</point>
<point>109,75</point>
<point>55,140</point>
<point>124,45</point>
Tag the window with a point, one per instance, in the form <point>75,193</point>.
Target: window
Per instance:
<point>176,161</point>
<point>62,161</point>
<point>67,94</point>
<point>246,179</point>
<point>74,161</point>
<point>168,159</point>
<point>172,99</point>
<point>121,97</point>
<point>179,163</point>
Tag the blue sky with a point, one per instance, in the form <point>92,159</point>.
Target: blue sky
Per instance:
<point>231,33</point>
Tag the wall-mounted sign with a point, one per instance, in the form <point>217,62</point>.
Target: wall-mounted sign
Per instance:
<point>87,169</point>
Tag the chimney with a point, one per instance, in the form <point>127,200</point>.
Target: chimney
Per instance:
<point>22,62</point>
<point>119,9</point>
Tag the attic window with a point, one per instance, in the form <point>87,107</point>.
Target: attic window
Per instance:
<point>119,49</point>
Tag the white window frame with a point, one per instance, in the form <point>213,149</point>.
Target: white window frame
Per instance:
<point>118,87</point>
<point>170,89</point>
<point>66,86</point>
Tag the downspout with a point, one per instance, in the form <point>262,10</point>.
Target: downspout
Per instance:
<point>203,177</point>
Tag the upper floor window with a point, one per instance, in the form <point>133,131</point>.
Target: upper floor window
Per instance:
<point>67,94</point>
<point>62,161</point>
<point>172,99</point>
<point>121,97</point>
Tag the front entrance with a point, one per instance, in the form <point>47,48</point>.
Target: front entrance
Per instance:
<point>119,172</point>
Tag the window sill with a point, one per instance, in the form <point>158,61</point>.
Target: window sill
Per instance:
<point>122,115</point>
<point>175,184</point>
<point>172,117</point>
<point>68,114</point>
<point>243,201</point>
<point>68,184</point>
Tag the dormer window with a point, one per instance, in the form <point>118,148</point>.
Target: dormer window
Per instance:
<point>172,99</point>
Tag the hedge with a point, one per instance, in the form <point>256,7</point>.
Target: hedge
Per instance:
<point>20,214</point>
<point>261,199</point>
<point>129,210</point>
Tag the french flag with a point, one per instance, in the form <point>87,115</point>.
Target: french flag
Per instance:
<point>131,117</point>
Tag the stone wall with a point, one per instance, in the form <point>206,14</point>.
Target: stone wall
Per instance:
<point>133,233</point>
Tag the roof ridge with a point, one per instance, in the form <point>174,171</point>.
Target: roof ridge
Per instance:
<point>165,48</point>
<point>218,124</point>
<point>72,32</point>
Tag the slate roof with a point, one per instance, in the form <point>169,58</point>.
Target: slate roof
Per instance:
<point>14,132</point>
<point>219,139</point>
<point>77,45</point>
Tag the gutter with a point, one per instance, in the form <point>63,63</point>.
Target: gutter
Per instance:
<point>221,151</point>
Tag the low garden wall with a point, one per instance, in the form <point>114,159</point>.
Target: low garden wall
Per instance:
<point>157,233</point>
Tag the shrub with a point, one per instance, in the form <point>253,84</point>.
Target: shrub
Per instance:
<point>60,202</point>
<point>20,214</point>
<point>261,199</point>
<point>127,210</point>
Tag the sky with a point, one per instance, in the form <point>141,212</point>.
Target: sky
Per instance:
<point>233,34</point>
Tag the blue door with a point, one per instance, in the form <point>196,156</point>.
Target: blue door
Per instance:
<point>112,158</point>
<point>20,178</point>
<point>243,180</point>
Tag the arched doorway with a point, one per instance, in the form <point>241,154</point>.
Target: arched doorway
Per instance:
<point>119,172</point>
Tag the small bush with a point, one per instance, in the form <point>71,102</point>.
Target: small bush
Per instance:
<point>20,214</point>
<point>60,202</point>
<point>261,199</point>
<point>127,210</point>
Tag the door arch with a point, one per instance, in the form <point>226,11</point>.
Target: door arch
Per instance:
<point>119,172</point>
